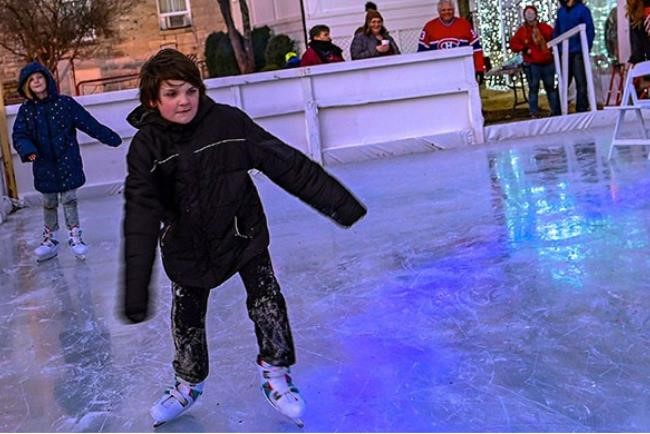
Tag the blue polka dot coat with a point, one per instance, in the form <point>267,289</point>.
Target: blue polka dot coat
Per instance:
<point>48,128</point>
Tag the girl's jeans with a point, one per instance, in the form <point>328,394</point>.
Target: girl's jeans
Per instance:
<point>546,74</point>
<point>51,207</point>
<point>266,308</point>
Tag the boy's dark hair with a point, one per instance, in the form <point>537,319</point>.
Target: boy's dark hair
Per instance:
<point>168,64</point>
<point>317,30</point>
<point>371,5</point>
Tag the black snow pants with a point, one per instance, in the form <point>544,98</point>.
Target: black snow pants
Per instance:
<point>266,308</point>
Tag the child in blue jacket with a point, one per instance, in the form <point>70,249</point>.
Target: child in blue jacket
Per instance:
<point>45,134</point>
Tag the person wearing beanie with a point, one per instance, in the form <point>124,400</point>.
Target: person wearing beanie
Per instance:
<point>570,14</point>
<point>531,40</point>
<point>320,48</point>
<point>368,7</point>
<point>449,31</point>
<point>373,40</point>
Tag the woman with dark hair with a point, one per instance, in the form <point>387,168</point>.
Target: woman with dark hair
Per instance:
<point>373,40</point>
<point>638,12</point>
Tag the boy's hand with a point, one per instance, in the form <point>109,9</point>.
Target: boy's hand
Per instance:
<point>31,157</point>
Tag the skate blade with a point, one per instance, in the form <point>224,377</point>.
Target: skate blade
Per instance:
<point>80,257</point>
<point>45,258</point>
<point>297,420</point>
<point>157,424</point>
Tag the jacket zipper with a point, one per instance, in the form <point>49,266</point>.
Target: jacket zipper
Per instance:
<point>237,233</point>
<point>162,237</point>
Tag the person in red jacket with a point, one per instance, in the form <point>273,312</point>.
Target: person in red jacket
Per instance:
<point>321,49</point>
<point>530,40</point>
<point>449,31</point>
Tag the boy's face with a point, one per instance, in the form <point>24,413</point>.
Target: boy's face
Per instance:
<point>38,85</point>
<point>323,36</point>
<point>178,101</point>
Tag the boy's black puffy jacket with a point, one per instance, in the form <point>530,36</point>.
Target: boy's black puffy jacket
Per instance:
<point>194,179</point>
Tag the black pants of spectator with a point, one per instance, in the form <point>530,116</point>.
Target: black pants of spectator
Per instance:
<point>266,308</point>
<point>577,71</point>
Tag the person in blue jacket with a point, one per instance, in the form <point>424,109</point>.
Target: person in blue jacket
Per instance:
<point>570,14</point>
<point>45,134</point>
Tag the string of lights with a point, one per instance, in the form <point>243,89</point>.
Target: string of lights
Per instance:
<point>498,20</point>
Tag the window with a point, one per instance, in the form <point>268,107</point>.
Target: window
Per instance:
<point>174,14</point>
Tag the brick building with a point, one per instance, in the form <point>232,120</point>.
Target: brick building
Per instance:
<point>150,26</point>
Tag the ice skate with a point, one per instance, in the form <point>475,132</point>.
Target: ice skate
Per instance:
<point>174,402</point>
<point>48,248</point>
<point>280,392</point>
<point>77,245</point>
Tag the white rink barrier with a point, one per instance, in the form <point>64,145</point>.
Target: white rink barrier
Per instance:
<point>334,113</point>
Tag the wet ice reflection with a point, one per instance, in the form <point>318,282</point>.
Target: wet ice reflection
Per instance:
<point>501,288</point>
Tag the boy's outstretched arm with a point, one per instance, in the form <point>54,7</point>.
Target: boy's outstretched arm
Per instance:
<point>84,121</point>
<point>21,137</point>
<point>141,226</point>
<point>300,176</point>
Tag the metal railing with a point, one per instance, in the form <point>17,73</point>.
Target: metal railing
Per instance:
<point>117,81</point>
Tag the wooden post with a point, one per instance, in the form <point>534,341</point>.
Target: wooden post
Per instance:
<point>5,151</point>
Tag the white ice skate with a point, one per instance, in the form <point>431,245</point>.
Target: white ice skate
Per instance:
<point>174,402</point>
<point>77,245</point>
<point>280,392</point>
<point>48,248</point>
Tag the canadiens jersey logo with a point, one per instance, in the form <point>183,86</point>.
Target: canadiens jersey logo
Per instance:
<point>448,43</point>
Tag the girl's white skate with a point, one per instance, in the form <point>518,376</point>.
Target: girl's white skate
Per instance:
<point>174,402</point>
<point>48,248</point>
<point>280,392</point>
<point>77,245</point>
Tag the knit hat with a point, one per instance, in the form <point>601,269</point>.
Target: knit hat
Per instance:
<point>373,14</point>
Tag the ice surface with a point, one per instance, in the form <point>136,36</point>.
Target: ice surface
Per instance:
<point>496,288</point>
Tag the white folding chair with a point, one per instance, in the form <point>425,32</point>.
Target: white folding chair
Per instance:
<point>631,101</point>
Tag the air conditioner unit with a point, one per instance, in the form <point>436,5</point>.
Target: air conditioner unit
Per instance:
<point>175,21</point>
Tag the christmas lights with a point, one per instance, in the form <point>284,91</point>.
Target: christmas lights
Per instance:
<point>498,20</point>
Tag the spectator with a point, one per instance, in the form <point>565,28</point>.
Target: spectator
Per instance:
<point>291,60</point>
<point>321,49</point>
<point>570,14</point>
<point>638,12</point>
<point>449,31</point>
<point>370,6</point>
<point>530,40</point>
<point>373,40</point>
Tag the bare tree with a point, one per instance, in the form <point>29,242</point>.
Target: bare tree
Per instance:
<point>51,30</point>
<point>242,45</point>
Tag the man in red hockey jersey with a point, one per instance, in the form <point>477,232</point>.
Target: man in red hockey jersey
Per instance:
<point>449,31</point>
